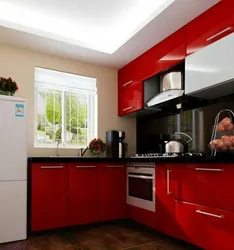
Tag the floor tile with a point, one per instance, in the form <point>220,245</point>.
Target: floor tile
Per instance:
<point>48,242</point>
<point>165,245</point>
<point>110,237</point>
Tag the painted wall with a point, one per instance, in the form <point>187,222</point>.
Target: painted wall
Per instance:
<point>19,64</point>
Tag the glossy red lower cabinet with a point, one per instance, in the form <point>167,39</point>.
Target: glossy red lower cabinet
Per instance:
<point>205,184</point>
<point>165,202</point>
<point>112,203</point>
<point>49,184</point>
<point>142,216</point>
<point>208,228</point>
<point>83,194</point>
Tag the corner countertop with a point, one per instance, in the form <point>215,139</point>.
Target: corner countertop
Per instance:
<point>184,159</point>
<point>74,159</point>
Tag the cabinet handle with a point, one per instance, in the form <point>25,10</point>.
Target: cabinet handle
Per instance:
<point>45,167</point>
<point>85,166</point>
<point>127,108</point>
<point>219,33</point>
<point>168,181</point>
<point>210,169</point>
<point>209,214</point>
<point>127,83</point>
<point>115,166</point>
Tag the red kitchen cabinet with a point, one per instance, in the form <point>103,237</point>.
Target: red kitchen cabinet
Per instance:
<point>83,193</point>
<point>130,98</point>
<point>49,186</point>
<point>210,26</point>
<point>165,54</point>
<point>205,184</point>
<point>165,202</point>
<point>112,204</point>
<point>208,228</point>
<point>142,216</point>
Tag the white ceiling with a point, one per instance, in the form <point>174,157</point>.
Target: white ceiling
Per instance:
<point>103,25</point>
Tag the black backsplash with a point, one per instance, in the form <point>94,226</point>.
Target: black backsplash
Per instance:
<point>197,123</point>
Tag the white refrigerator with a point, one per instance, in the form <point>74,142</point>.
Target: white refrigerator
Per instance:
<point>13,169</point>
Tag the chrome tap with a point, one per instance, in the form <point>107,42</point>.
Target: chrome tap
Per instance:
<point>59,142</point>
<point>82,151</point>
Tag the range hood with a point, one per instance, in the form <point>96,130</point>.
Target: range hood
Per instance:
<point>171,87</point>
<point>164,94</point>
<point>209,73</point>
<point>164,87</point>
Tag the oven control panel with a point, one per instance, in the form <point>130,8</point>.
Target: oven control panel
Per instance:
<point>141,169</point>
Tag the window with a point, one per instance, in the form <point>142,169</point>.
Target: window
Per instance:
<point>65,109</point>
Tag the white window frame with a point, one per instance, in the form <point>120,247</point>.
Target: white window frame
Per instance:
<point>92,113</point>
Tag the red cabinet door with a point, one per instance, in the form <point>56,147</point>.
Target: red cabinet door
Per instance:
<point>206,184</point>
<point>165,202</point>
<point>130,98</point>
<point>142,216</point>
<point>208,228</point>
<point>165,54</point>
<point>49,186</point>
<point>210,26</point>
<point>83,194</point>
<point>112,204</point>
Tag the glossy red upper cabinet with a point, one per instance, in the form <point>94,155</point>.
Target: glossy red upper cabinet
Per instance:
<point>208,228</point>
<point>83,194</point>
<point>130,98</point>
<point>112,204</point>
<point>210,26</point>
<point>49,187</point>
<point>165,54</point>
<point>205,184</point>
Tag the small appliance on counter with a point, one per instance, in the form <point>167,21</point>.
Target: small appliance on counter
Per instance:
<point>178,145</point>
<point>115,147</point>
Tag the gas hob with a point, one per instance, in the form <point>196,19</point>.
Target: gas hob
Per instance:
<point>166,155</point>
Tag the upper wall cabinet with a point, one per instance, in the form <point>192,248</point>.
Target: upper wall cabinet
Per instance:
<point>164,55</point>
<point>159,58</point>
<point>211,26</point>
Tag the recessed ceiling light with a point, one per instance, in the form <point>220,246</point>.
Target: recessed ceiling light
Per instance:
<point>106,37</point>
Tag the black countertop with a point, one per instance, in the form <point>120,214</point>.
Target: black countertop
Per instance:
<point>183,159</point>
<point>74,159</point>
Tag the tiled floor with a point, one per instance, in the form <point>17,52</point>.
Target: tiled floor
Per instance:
<point>114,236</point>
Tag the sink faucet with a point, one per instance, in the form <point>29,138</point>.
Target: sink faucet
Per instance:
<point>58,142</point>
<point>82,151</point>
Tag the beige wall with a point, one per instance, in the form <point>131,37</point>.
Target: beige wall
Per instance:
<point>19,64</point>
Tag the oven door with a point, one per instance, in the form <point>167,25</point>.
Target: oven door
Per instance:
<point>141,190</point>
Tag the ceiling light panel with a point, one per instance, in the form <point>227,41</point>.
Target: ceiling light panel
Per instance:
<point>101,25</point>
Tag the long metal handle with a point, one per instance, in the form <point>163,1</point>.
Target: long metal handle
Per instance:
<point>51,167</point>
<point>210,169</point>
<point>182,133</point>
<point>127,108</point>
<point>141,177</point>
<point>219,33</point>
<point>168,181</point>
<point>85,166</point>
<point>115,166</point>
<point>127,83</point>
<point>209,214</point>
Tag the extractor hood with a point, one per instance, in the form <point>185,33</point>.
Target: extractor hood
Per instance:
<point>164,93</point>
<point>171,88</point>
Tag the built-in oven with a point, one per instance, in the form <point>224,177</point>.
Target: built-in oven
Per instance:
<point>141,185</point>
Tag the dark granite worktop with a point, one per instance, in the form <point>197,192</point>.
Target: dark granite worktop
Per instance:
<point>184,159</point>
<point>74,159</point>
